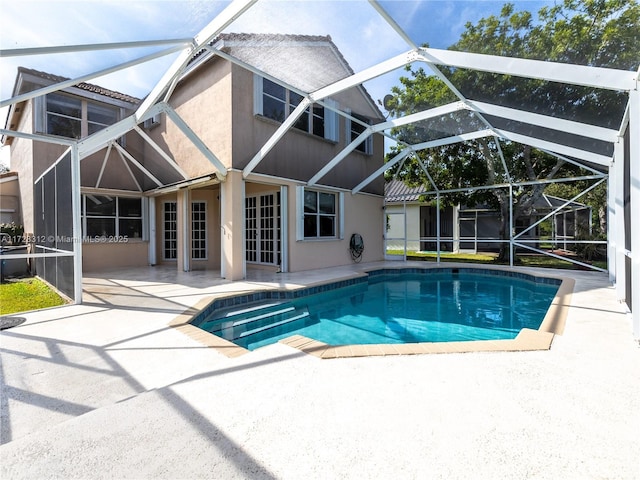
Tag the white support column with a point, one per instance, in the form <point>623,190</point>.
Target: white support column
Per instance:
<point>619,227</point>
<point>612,240</point>
<point>232,234</point>
<point>76,224</point>
<point>511,225</point>
<point>634,187</point>
<point>404,234</point>
<point>284,228</point>
<point>438,227</point>
<point>183,230</point>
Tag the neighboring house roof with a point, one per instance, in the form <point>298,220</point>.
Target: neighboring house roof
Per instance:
<point>28,80</point>
<point>555,202</point>
<point>398,191</point>
<point>51,79</point>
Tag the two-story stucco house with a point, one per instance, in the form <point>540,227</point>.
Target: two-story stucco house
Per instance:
<point>157,195</point>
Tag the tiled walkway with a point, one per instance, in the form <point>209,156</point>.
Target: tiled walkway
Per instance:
<point>108,389</point>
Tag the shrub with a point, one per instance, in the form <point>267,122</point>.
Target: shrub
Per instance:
<point>16,232</point>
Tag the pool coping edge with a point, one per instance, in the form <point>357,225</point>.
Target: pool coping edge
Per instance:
<point>526,340</point>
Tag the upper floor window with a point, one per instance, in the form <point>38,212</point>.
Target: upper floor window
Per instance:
<point>354,129</point>
<point>100,116</point>
<point>75,117</point>
<point>276,102</point>
<point>64,116</point>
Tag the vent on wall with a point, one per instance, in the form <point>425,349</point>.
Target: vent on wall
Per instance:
<point>152,122</point>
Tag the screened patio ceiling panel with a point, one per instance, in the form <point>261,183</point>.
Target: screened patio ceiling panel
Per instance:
<point>551,135</point>
<point>443,126</point>
<point>564,101</point>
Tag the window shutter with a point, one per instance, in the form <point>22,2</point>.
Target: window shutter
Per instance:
<point>257,94</point>
<point>341,215</point>
<point>40,113</point>
<point>300,213</point>
<point>331,122</point>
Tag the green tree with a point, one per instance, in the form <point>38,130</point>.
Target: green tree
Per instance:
<point>601,33</point>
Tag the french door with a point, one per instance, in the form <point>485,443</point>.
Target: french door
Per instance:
<point>263,229</point>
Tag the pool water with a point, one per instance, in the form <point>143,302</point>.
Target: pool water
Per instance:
<point>394,308</point>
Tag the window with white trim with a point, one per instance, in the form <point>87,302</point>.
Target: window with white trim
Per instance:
<point>354,129</point>
<point>170,231</point>
<point>110,216</point>
<point>276,102</point>
<point>320,214</point>
<point>198,230</point>
<point>75,117</point>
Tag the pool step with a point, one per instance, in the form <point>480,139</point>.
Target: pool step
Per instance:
<point>236,325</point>
<point>247,311</point>
<point>299,316</point>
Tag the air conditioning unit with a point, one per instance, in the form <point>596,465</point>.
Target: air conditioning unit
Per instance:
<point>152,122</point>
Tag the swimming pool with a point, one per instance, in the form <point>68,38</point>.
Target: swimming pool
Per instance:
<point>389,306</point>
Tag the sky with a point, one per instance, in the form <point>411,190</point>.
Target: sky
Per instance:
<point>360,34</point>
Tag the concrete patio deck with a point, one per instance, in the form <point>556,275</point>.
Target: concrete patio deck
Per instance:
<point>108,389</point>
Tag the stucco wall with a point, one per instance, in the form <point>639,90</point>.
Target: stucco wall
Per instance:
<point>203,101</point>
<point>363,215</point>
<point>21,161</point>
<point>102,256</point>
<point>10,199</point>
<point>299,155</point>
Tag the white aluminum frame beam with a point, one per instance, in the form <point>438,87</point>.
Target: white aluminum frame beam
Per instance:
<point>133,160</point>
<point>381,68</point>
<point>393,24</point>
<point>23,52</point>
<point>634,194</point>
<point>68,142</point>
<point>208,33</point>
<point>76,228</point>
<point>277,135</point>
<point>194,138</point>
<point>423,146</point>
<point>102,138</point>
<point>546,121</point>
<point>464,137</point>
<point>341,156</point>
<point>560,208</point>
<point>555,147</point>
<point>104,165</point>
<point>126,165</point>
<point>379,127</point>
<point>596,77</point>
<point>394,161</point>
<point>74,81</point>
<point>386,66</point>
<point>172,163</point>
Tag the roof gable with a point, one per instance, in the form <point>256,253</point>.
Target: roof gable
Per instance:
<point>306,62</point>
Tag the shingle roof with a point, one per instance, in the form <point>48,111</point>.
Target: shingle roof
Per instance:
<point>307,62</point>
<point>84,86</point>
<point>398,191</point>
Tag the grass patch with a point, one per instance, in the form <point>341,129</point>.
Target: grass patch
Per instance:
<point>20,295</point>
<point>527,260</point>
<point>447,257</point>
